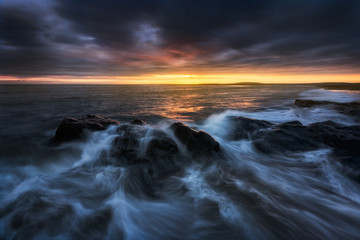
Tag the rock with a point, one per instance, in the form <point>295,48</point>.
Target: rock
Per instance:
<point>287,138</point>
<point>126,150</point>
<point>291,124</point>
<point>343,141</point>
<point>73,128</point>
<point>246,127</point>
<point>160,148</point>
<point>311,103</point>
<point>163,154</point>
<point>349,108</point>
<point>351,162</point>
<point>197,142</point>
<point>160,157</point>
<point>293,136</point>
<point>138,122</point>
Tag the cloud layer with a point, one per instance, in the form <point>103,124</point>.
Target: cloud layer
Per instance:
<point>87,37</point>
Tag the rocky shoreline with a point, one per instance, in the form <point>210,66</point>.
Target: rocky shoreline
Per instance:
<point>162,156</point>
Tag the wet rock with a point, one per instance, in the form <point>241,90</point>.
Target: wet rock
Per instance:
<point>343,141</point>
<point>163,147</point>
<point>74,128</point>
<point>138,122</point>
<point>280,140</point>
<point>197,142</point>
<point>338,136</point>
<point>349,108</point>
<point>293,136</point>
<point>312,103</point>
<point>160,154</point>
<point>246,127</point>
<point>291,124</point>
<point>126,150</point>
<point>351,163</point>
<point>163,153</point>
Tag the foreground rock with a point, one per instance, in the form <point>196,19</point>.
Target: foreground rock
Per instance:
<point>148,151</point>
<point>196,142</point>
<point>74,128</point>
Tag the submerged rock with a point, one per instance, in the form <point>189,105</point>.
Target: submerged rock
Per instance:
<point>196,142</point>
<point>73,128</point>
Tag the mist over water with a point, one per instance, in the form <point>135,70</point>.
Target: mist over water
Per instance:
<point>77,191</point>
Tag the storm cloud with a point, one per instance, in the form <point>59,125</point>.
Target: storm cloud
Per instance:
<point>87,37</point>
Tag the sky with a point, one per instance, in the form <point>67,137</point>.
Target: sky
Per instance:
<point>179,41</point>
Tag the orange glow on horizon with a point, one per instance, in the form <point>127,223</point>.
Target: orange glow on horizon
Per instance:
<point>189,79</point>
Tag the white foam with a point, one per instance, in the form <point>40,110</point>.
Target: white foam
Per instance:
<point>98,143</point>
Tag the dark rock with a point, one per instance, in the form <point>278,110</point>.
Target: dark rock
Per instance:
<point>196,142</point>
<point>343,141</point>
<point>73,128</point>
<point>126,150</point>
<point>338,136</point>
<point>161,148</point>
<point>289,125</point>
<point>284,138</point>
<point>138,122</point>
<point>245,127</point>
<point>293,136</point>
<point>350,161</point>
<point>126,147</point>
<point>163,153</point>
<point>349,108</point>
<point>310,103</point>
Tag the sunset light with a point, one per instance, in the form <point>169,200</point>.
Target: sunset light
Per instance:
<point>190,79</point>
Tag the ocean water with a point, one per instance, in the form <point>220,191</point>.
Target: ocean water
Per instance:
<point>64,192</point>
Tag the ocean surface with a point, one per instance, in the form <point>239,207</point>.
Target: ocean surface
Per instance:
<point>62,192</point>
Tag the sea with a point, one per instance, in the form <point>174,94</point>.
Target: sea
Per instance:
<point>62,192</point>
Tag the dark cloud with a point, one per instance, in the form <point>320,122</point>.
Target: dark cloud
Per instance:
<point>88,37</point>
